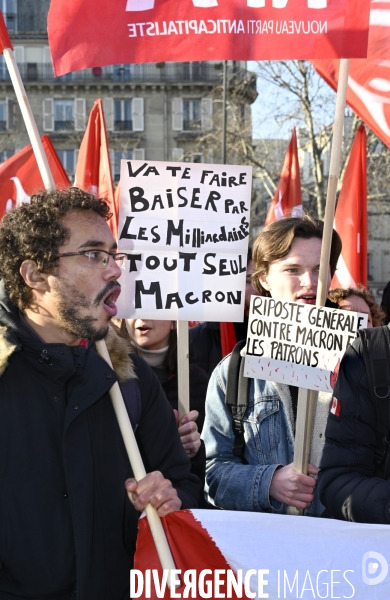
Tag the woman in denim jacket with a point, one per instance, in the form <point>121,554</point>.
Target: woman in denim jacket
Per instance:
<point>286,257</point>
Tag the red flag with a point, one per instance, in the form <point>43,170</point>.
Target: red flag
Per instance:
<point>351,217</point>
<point>369,79</point>
<point>287,200</point>
<point>20,176</point>
<point>228,338</point>
<point>201,553</point>
<point>93,169</point>
<point>133,31</point>
<point>5,41</point>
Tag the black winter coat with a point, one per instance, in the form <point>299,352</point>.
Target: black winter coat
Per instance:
<point>66,524</point>
<point>205,343</point>
<point>198,389</point>
<point>199,380</point>
<point>346,482</point>
<point>205,346</point>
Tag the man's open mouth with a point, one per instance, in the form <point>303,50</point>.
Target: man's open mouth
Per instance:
<point>110,299</point>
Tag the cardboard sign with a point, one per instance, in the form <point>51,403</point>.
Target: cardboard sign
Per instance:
<point>185,230</point>
<point>298,344</point>
<point>142,31</point>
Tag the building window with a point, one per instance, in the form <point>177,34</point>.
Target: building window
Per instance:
<point>66,77</point>
<point>123,115</point>
<point>63,115</point>
<point>192,115</point>
<point>4,75</point>
<point>118,155</point>
<point>32,72</point>
<point>193,157</point>
<point>192,119</point>
<point>127,72</point>
<point>121,73</point>
<point>67,159</point>
<point>8,8</point>
<point>3,115</point>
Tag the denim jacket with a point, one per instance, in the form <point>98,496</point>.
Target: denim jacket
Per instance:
<point>269,443</point>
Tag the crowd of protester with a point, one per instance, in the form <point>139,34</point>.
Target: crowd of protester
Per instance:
<point>69,504</point>
<point>284,264</point>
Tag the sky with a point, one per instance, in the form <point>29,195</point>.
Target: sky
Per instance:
<point>265,126</point>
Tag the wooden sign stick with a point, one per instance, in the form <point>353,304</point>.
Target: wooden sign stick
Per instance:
<point>183,369</point>
<point>307,398</point>
<point>137,466</point>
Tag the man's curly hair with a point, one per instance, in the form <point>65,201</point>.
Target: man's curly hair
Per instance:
<point>35,231</point>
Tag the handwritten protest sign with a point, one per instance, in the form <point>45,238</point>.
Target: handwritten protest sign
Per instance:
<point>184,228</point>
<point>298,344</point>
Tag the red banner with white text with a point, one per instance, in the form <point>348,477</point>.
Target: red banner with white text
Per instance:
<point>83,35</point>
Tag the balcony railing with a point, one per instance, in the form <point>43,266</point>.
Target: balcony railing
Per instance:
<point>241,81</point>
<point>123,125</point>
<point>63,125</point>
<point>170,73</point>
<point>192,124</point>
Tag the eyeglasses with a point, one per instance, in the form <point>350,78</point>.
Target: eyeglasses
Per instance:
<point>98,258</point>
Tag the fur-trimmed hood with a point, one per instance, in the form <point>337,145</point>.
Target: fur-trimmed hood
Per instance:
<point>118,347</point>
<point>6,349</point>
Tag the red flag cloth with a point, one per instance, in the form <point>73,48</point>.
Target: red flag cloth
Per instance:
<point>142,31</point>
<point>351,217</point>
<point>200,552</point>
<point>228,338</point>
<point>369,79</point>
<point>20,176</point>
<point>93,169</point>
<point>5,41</point>
<point>287,200</point>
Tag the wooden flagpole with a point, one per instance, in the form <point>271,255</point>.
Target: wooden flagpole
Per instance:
<point>137,466</point>
<point>24,104</point>
<point>183,369</point>
<point>307,398</point>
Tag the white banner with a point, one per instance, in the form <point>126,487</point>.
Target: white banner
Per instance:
<point>298,344</point>
<point>260,555</point>
<point>185,230</point>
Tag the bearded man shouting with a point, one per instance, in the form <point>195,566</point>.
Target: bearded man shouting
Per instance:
<point>69,505</point>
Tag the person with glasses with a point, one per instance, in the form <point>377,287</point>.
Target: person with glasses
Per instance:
<point>69,505</point>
